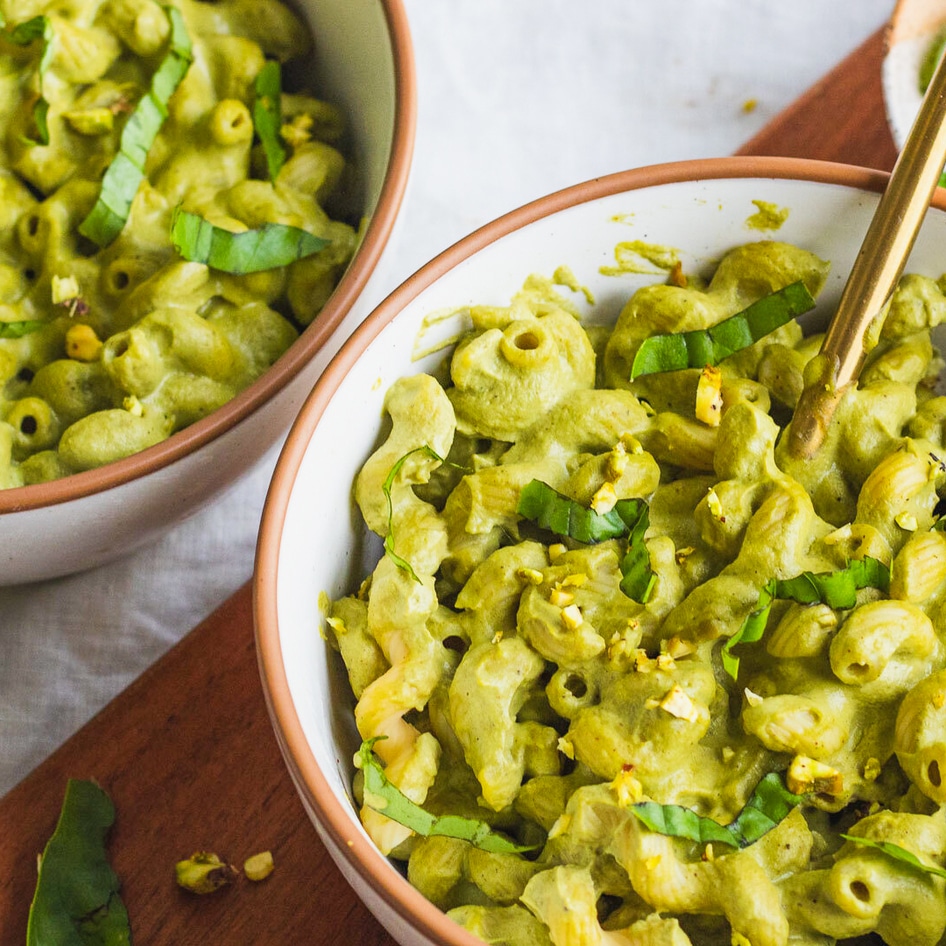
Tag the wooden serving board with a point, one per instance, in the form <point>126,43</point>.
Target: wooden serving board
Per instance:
<point>187,752</point>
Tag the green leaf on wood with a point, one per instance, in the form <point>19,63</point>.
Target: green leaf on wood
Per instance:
<point>76,902</point>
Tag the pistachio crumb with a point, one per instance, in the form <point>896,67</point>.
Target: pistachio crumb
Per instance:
<point>203,872</point>
<point>259,866</point>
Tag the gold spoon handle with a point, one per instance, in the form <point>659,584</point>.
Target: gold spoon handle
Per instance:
<point>876,269</point>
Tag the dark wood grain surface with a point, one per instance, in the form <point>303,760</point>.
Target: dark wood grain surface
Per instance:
<point>187,752</point>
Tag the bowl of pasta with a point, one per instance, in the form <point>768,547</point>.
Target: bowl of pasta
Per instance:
<point>915,38</point>
<point>195,199</point>
<point>562,641</point>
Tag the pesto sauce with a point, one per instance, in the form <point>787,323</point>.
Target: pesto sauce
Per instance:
<point>636,256</point>
<point>768,216</point>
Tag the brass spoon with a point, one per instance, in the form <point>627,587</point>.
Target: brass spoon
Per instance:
<point>876,269</point>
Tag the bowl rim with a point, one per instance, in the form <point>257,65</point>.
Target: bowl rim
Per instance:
<point>335,819</point>
<point>311,339</point>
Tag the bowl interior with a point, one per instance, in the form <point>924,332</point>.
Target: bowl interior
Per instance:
<point>312,542</point>
<point>354,65</point>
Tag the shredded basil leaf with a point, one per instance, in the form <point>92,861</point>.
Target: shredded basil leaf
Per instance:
<point>897,853</point>
<point>710,346</point>
<point>638,577</point>
<point>76,902</point>
<point>769,804</point>
<point>127,170</point>
<point>19,329</point>
<point>267,115</point>
<point>251,251</point>
<point>401,563</point>
<point>837,589</point>
<point>387,799</point>
<point>549,509</point>
<point>930,61</point>
<point>39,27</point>
<point>750,631</point>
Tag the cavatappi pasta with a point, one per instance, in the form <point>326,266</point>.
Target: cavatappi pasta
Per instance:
<point>503,678</point>
<point>115,115</point>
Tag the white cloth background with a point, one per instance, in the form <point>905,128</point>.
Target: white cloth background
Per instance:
<point>516,99</point>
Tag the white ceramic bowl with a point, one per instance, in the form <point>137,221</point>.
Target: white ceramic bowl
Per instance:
<point>363,61</point>
<point>311,541</point>
<point>913,26</point>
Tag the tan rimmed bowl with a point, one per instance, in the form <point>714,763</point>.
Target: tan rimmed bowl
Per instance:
<point>312,544</point>
<point>363,61</point>
<point>913,27</point>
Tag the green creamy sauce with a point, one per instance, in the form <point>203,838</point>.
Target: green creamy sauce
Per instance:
<point>768,216</point>
<point>509,686</point>
<point>637,256</point>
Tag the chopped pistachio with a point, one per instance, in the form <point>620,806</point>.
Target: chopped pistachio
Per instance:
<point>133,406</point>
<point>298,131</point>
<point>90,121</point>
<point>617,461</point>
<point>337,625</point>
<point>604,499</point>
<point>872,769</point>
<point>561,598</point>
<point>573,581</point>
<point>678,704</point>
<point>678,648</point>
<point>809,775</point>
<point>259,866</point>
<point>64,289</point>
<point>82,344</point>
<point>571,615</point>
<point>713,504</point>
<point>619,646</point>
<point>531,575</point>
<point>203,872</point>
<point>753,699</point>
<point>906,520</point>
<point>628,789</point>
<point>709,398</point>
